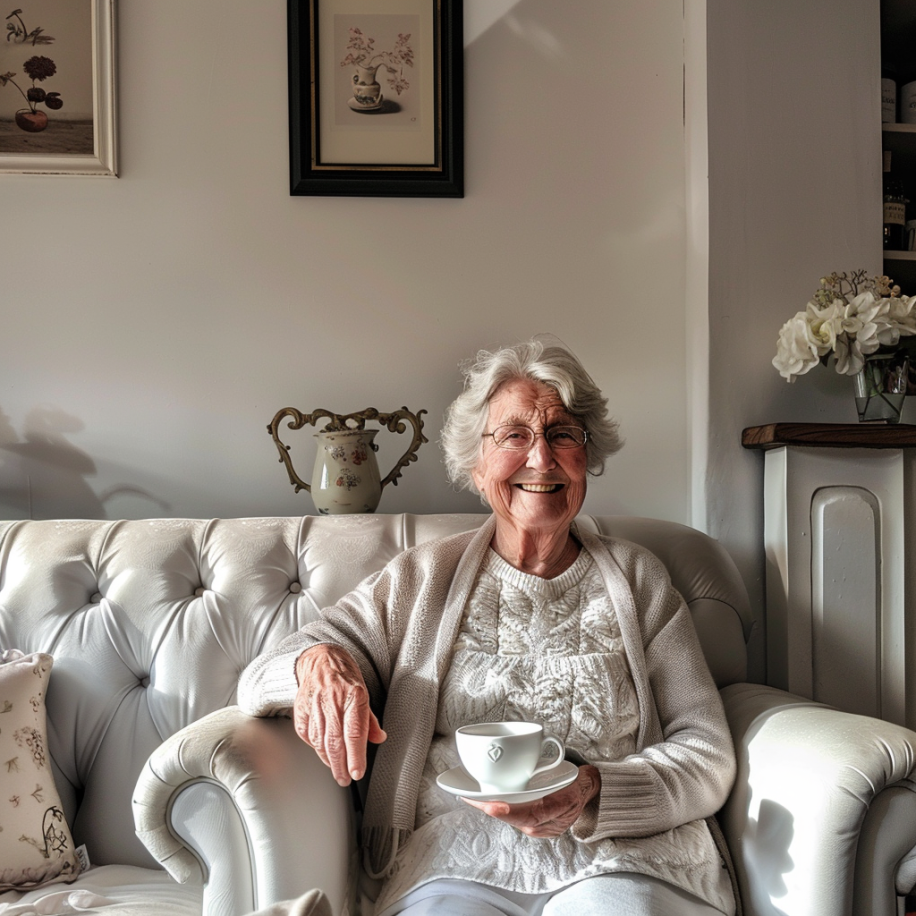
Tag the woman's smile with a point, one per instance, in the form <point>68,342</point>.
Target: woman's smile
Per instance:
<point>540,487</point>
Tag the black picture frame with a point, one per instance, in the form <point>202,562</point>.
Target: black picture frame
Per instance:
<point>418,152</point>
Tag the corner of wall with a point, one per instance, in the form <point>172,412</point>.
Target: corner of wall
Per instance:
<point>696,293</point>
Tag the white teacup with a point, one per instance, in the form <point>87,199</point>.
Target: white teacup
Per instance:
<point>503,756</point>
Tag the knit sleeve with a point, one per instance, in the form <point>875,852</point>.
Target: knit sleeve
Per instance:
<point>360,623</point>
<point>686,770</point>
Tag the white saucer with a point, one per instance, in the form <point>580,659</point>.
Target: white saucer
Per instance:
<point>458,782</point>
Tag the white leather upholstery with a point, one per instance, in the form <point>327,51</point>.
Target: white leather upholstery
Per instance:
<point>151,622</point>
<point>809,778</point>
<point>250,809</point>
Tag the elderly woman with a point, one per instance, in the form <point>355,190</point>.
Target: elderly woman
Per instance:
<point>529,619</point>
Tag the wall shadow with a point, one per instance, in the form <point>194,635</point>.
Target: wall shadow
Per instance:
<point>44,475</point>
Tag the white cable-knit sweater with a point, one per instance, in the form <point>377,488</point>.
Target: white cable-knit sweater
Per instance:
<point>401,625</point>
<point>550,651</point>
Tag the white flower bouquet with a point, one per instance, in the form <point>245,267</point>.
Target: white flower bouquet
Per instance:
<point>851,316</point>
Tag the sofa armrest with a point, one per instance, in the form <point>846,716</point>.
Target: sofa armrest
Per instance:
<point>246,807</point>
<point>808,776</point>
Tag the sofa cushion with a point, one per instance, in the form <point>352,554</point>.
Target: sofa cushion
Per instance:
<point>36,847</point>
<point>112,890</point>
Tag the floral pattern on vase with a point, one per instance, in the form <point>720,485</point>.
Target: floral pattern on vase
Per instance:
<point>367,92</point>
<point>346,476</point>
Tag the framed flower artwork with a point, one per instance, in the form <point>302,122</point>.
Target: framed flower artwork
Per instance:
<point>376,98</point>
<point>57,88</point>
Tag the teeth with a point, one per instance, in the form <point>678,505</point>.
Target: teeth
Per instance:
<point>540,487</point>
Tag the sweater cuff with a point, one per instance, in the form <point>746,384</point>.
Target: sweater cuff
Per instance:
<point>268,686</point>
<point>626,806</point>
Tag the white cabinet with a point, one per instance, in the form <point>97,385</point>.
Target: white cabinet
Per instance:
<point>840,537</point>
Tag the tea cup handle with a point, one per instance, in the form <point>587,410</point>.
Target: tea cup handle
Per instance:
<point>553,763</point>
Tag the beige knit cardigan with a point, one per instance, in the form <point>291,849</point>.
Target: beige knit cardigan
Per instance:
<point>400,625</point>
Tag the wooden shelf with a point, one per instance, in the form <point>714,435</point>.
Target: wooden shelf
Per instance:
<point>830,435</point>
<point>900,139</point>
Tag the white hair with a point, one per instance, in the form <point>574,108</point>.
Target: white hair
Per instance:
<point>466,418</point>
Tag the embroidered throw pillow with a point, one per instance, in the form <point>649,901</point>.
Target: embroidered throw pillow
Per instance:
<point>35,843</point>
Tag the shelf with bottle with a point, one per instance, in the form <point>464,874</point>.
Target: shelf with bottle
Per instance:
<point>895,206</point>
<point>898,75</point>
<point>898,138</point>
<point>900,141</point>
<point>899,191</point>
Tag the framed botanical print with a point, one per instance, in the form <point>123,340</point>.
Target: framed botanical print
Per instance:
<point>376,98</point>
<point>57,88</point>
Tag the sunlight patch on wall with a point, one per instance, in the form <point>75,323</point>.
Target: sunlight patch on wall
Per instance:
<point>478,17</point>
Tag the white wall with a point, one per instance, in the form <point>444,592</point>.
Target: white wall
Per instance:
<point>794,194</point>
<point>155,323</point>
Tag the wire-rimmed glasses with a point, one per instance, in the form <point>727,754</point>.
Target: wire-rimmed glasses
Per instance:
<point>521,438</point>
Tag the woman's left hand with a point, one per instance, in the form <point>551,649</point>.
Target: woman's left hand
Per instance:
<point>552,815</point>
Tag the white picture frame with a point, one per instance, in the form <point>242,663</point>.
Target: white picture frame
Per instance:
<point>96,85</point>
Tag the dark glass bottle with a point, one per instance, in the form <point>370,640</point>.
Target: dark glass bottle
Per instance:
<point>894,208</point>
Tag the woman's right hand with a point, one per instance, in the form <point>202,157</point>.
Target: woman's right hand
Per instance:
<point>331,712</point>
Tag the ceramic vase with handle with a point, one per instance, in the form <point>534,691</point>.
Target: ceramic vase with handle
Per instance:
<point>367,93</point>
<point>346,476</point>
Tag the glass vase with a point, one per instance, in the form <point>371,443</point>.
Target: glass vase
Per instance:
<point>880,388</point>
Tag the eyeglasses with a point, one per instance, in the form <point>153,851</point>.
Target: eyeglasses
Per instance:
<point>521,438</point>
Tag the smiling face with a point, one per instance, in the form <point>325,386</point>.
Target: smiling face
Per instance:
<point>538,490</point>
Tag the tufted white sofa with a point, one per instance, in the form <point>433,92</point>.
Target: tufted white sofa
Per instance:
<point>151,622</point>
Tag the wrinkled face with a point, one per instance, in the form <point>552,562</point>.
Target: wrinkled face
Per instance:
<point>539,488</point>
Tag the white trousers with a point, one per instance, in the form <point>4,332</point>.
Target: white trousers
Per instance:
<point>604,895</point>
<point>617,894</point>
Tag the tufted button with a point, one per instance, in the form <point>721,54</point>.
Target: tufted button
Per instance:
<point>95,598</point>
<point>295,588</point>
<point>198,592</point>
<point>144,681</point>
